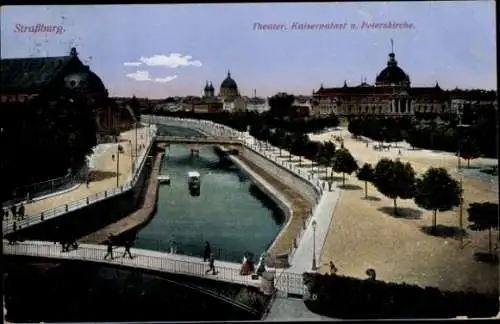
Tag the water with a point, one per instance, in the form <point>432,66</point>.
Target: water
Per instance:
<point>230,213</point>
<point>86,292</point>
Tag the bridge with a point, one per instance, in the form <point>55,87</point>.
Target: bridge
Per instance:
<point>209,140</point>
<point>285,282</point>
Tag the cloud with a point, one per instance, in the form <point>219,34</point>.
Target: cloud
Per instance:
<point>132,63</point>
<point>173,60</point>
<point>166,79</point>
<point>142,75</point>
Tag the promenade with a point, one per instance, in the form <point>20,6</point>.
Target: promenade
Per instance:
<point>365,235</point>
<point>140,216</point>
<point>103,176</point>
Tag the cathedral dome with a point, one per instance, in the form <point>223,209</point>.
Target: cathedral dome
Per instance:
<point>392,74</point>
<point>228,83</point>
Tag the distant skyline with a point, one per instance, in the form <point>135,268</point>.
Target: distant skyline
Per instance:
<point>158,51</point>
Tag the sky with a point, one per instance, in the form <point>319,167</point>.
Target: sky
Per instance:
<point>162,50</point>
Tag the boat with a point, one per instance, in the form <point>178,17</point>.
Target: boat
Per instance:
<point>164,179</point>
<point>194,180</point>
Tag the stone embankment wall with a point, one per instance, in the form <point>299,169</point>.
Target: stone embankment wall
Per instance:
<point>275,169</point>
<point>140,216</point>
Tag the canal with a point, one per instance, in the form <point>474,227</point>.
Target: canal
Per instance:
<point>231,213</point>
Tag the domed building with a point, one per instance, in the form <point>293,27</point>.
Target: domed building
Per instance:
<point>391,95</point>
<point>26,78</point>
<point>392,75</point>
<point>228,88</point>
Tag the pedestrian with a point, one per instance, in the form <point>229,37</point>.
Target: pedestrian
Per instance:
<point>333,268</point>
<point>173,247</point>
<point>13,210</point>
<point>109,249</point>
<point>74,244</point>
<point>207,252</point>
<point>113,157</point>
<point>88,181</point>
<point>399,152</point>
<point>65,245</point>
<point>28,197</point>
<point>211,264</point>
<point>21,211</point>
<point>128,245</point>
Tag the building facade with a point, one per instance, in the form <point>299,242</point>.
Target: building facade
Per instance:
<point>391,94</point>
<point>25,78</point>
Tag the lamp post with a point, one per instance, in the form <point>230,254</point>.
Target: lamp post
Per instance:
<point>118,165</point>
<point>133,166</point>
<point>461,208</point>
<point>314,246</point>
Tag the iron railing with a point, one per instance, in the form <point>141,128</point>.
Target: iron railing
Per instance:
<point>286,282</point>
<point>12,224</point>
<point>38,189</point>
<point>193,250</point>
<point>144,259</point>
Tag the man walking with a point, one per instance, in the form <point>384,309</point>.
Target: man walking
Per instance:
<point>109,249</point>
<point>211,264</point>
<point>21,211</point>
<point>207,252</point>
<point>128,245</point>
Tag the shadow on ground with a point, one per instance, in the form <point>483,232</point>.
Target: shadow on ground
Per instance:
<point>444,231</point>
<point>486,257</point>
<point>402,212</point>
<point>97,175</point>
<point>371,198</point>
<point>350,187</point>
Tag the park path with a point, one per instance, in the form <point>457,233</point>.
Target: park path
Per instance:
<point>364,235</point>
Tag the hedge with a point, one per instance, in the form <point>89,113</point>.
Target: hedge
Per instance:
<point>349,298</point>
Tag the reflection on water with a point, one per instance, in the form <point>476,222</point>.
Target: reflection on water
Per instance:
<point>81,292</point>
<point>230,212</point>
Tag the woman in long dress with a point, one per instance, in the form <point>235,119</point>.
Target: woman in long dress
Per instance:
<point>245,267</point>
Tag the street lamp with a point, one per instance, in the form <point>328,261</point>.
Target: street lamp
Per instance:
<point>314,246</point>
<point>461,208</point>
<point>118,165</point>
<point>133,166</point>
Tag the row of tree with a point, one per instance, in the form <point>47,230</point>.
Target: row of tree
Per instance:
<point>475,136</point>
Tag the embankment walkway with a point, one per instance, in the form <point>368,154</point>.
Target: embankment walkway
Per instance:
<point>103,185</point>
<point>138,217</point>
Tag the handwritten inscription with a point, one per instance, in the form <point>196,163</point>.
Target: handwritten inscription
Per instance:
<point>39,28</point>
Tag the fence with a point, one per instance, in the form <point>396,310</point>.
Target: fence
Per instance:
<point>193,250</point>
<point>45,187</point>
<point>11,225</point>
<point>144,259</point>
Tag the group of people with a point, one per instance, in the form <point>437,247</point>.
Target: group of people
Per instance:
<point>17,212</point>
<point>109,250</point>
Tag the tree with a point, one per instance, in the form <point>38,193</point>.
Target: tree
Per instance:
<point>280,105</point>
<point>344,163</point>
<point>366,174</point>
<point>328,150</point>
<point>355,127</point>
<point>469,150</point>
<point>394,179</point>
<point>436,190</point>
<point>483,216</point>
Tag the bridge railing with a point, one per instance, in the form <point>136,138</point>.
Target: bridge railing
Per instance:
<point>11,225</point>
<point>143,259</point>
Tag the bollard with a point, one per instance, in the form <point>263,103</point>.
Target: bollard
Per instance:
<point>105,194</point>
<point>41,216</point>
<point>87,200</point>
<point>66,207</point>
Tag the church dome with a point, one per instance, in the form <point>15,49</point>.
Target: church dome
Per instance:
<point>392,74</point>
<point>87,82</point>
<point>229,83</point>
